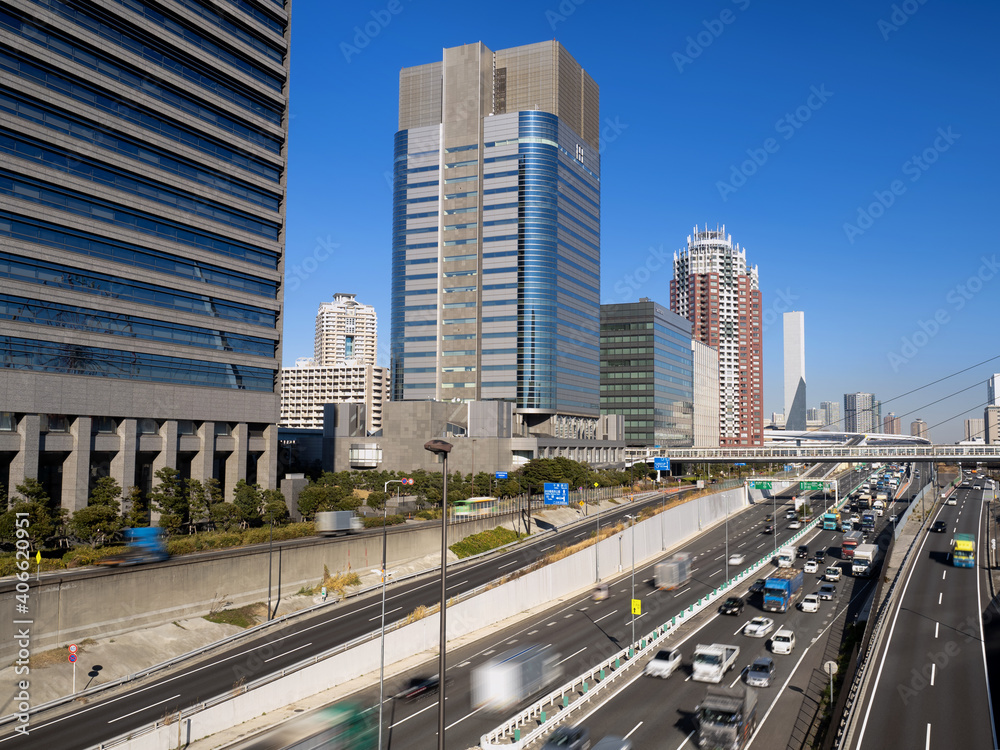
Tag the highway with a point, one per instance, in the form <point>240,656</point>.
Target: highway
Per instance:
<point>216,673</point>
<point>582,631</point>
<point>932,664</point>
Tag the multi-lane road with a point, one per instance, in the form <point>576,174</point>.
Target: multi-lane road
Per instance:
<point>930,688</point>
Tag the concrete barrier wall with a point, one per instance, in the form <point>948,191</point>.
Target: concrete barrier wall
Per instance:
<point>539,587</point>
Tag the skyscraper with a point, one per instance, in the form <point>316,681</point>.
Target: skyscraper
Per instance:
<point>975,428</point>
<point>496,232</point>
<point>718,292</point>
<point>892,425</point>
<point>144,228</point>
<point>861,413</point>
<point>346,332</point>
<point>795,370</point>
<point>918,428</point>
<point>993,390</point>
<point>830,415</point>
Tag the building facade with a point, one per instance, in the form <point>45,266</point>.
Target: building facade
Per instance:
<point>830,415</point>
<point>307,388</point>
<point>496,234</point>
<point>346,332</point>
<point>991,425</point>
<point>794,329</point>
<point>715,289</point>
<point>143,252</point>
<point>993,390</point>
<point>892,425</point>
<point>918,428</point>
<point>647,373</point>
<point>975,428</point>
<point>861,413</point>
<point>705,362</point>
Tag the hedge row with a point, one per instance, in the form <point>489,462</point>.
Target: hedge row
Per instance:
<point>483,542</point>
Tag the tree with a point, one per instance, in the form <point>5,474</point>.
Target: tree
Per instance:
<point>137,513</point>
<point>248,501</point>
<point>107,493</point>
<point>198,503</point>
<point>95,523</point>
<point>169,499</point>
<point>225,516</point>
<point>42,525</point>
<point>275,507</point>
<point>326,494</point>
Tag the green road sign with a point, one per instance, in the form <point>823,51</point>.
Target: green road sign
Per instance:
<point>807,486</point>
<point>760,485</point>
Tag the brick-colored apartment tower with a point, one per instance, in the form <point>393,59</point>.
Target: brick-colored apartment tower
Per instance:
<point>715,289</point>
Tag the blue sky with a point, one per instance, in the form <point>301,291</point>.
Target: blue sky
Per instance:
<point>850,147</point>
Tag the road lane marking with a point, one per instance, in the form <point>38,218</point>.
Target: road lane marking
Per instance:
<point>933,670</point>
<point>928,743</point>
<point>378,617</point>
<point>532,632</point>
<point>457,585</point>
<point>551,546</point>
<point>426,708</point>
<point>507,565</point>
<point>471,713</point>
<point>603,617</point>
<point>687,588</point>
<point>937,626</point>
<point>633,730</point>
<point>714,574</point>
<point>940,595</point>
<point>125,716</point>
<point>943,574</point>
<point>572,655</point>
<point>286,653</point>
<point>719,557</point>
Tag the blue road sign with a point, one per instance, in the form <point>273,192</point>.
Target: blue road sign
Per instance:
<point>557,493</point>
<point>501,475</point>
<point>661,464</point>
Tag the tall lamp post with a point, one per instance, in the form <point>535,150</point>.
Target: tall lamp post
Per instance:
<point>442,448</point>
<point>385,578</point>
<point>633,519</point>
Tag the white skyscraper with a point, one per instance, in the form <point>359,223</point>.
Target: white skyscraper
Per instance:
<point>993,390</point>
<point>795,370</point>
<point>346,332</point>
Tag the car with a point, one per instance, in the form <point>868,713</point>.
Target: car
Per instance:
<point>810,566</point>
<point>663,664</point>
<point>568,738</point>
<point>827,591</point>
<point>783,641</point>
<point>809,603</point>
<point>952,500</point>
<point>769,529</point>
<point>600,592</point>
<point>768,519</point>
<point>613,743</point>
<point>761,672</point>
<point>795,525</point>
<point>832,574</point>
<point>893,518</point>
<point>758,627</point>
<point>855,520</point>
<point>732,606</point>
<point>939,527</point>
<point>737,558</point>
<point>802,551</point>
<point>789,514</point>
<point>757,587</point>
<point>417,687</point>
<point>820,555</point>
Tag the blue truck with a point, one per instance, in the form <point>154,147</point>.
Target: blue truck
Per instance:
<point>781,589</point>
<point>146,544</point>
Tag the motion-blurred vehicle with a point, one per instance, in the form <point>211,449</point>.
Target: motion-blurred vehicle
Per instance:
<point>737,559</point>
<point>509,678</point>
<point>939,527</point>
<point>761,672</point>
<point>664,664</point>
<point>568,738</point>
<point>758,627</point>
<point>600,592</point>
<point>757,587</point>
<point>418,687</point>
<point>146,544</point>
<point>732,606</point>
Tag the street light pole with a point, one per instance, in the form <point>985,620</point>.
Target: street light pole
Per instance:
<point>633,519</point>
<point>442,449</point>
<point>385,577</point>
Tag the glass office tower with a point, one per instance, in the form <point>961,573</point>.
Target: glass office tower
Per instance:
<point>142,230</point>
<point>496,233</point>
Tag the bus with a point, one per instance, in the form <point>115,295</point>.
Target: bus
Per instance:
<point>849,543</point>
<point>474,507</point>
<point>963,551</point>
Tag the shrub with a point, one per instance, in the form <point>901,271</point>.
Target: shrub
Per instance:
<point>484,542</point>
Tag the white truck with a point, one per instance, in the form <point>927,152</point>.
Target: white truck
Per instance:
<point>879,506</point>
<point>673,573</point>
<point>507,679</point>
<point>710,663</point>
<point>786,557</point>
<point>863,562</point>
<point>331,522</point>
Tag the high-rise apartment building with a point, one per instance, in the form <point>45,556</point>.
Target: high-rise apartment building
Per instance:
<point>861,413</point>
<point>993,390</point>
<point>143,219</point>
<point>991,425</point>
<point>975,428</point>
<point>718,292</point>
<point>892,425</point>
<point>830,416</point>
<point>793,324</point>
<point>346,332</point>
<point>647,373</point>
<point>918,428</point>
<point>496,233</point>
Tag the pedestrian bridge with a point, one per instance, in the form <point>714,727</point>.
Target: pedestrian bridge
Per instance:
<point>835,454</point>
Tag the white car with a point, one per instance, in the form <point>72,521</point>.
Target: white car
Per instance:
<point>832,574</point>
<point>811,566</point>
<point>664,664</point>
<point>758,627</point>
<point>809,603</point>
<point>795,525</point>
<point>737,559</point>
<point>952,500</point>
<point>783,641</point>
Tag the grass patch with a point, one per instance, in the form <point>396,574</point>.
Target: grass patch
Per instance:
<point>484,542</point>
<point>241,617</point>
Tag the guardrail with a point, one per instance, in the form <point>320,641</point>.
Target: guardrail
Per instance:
<point>555,707</point>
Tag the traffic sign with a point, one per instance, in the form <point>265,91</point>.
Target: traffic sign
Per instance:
<point>760,484</point>
<point>661,464</point>
<point>830,667</point>
<point>406,480</point>
<point>637,607</point>
<point>72,648</point>
<point>72,658</point>
<point>501,475</point>
<point>810,486</point>
<point>556,493</point>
